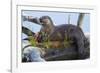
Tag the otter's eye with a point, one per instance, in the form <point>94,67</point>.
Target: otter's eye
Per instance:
<point>43,18</point>
<point>41,21</point>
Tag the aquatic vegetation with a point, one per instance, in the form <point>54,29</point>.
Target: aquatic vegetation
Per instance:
<point>46,43</point>
<point>32,41</point>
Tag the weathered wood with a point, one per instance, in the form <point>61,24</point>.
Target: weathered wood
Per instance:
<point>80,20</point>
<point>27,31</point>
<point>61,54</point>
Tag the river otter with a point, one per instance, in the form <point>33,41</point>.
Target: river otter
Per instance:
<point>59,33</point>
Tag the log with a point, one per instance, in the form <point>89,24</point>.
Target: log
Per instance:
<point>80,20</point>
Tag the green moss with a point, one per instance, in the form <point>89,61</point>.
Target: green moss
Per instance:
<point>32,41</point>
<point>47,43</point>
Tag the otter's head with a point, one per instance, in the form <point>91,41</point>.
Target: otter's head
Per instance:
<point>46,21</point>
